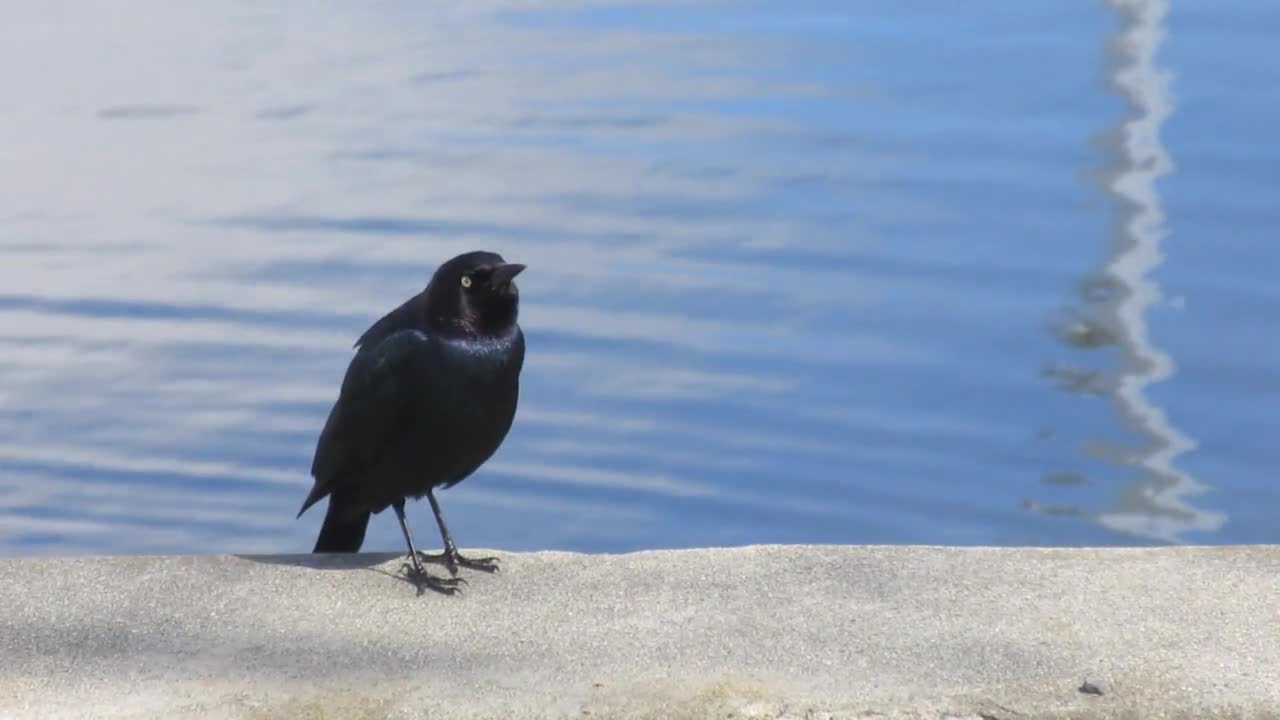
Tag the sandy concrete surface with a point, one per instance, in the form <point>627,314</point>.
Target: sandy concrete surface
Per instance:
<point>814,632</point>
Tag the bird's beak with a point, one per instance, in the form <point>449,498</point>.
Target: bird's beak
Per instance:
<point>505,273</point>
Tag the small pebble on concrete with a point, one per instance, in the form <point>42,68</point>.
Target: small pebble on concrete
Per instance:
<point>1094,686</point>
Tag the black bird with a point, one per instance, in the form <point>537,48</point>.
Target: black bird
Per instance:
<point>428,397</point>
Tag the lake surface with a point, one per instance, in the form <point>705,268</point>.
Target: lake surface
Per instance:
<point>846,271</point>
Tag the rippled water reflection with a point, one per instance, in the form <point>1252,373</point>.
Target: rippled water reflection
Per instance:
<point>808,272</point>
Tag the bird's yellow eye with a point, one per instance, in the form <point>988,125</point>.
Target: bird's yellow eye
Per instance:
<point>466,281</point>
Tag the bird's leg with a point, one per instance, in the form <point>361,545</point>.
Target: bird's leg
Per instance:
<point>451,558</point>
<point>414,570</point>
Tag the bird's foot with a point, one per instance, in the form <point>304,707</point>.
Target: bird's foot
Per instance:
<point>424,580</point>
<point>453,560</point>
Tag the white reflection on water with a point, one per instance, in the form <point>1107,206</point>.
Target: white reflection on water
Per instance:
<point>1154,505</point>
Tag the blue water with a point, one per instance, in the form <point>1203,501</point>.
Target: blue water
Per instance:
<point>845,271</point>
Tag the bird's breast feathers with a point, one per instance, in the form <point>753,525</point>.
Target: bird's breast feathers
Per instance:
<point>486,352</point>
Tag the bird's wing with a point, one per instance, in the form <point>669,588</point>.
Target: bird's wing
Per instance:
<point>377,392</point>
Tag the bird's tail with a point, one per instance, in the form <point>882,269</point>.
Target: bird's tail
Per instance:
<point>343,528</point>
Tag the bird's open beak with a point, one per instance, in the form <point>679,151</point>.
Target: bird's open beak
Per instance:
<point>505,273</point>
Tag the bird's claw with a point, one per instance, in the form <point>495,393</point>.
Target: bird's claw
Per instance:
<point>424,580</point>
<point>484,564</point>
<point>453,560</point>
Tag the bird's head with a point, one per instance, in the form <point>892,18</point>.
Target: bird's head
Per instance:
<point>473,294</point>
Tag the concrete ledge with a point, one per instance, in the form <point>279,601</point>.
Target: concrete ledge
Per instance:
<point>769,632</point>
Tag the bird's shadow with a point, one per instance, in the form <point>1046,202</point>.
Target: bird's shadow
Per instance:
<point>371,562</point>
